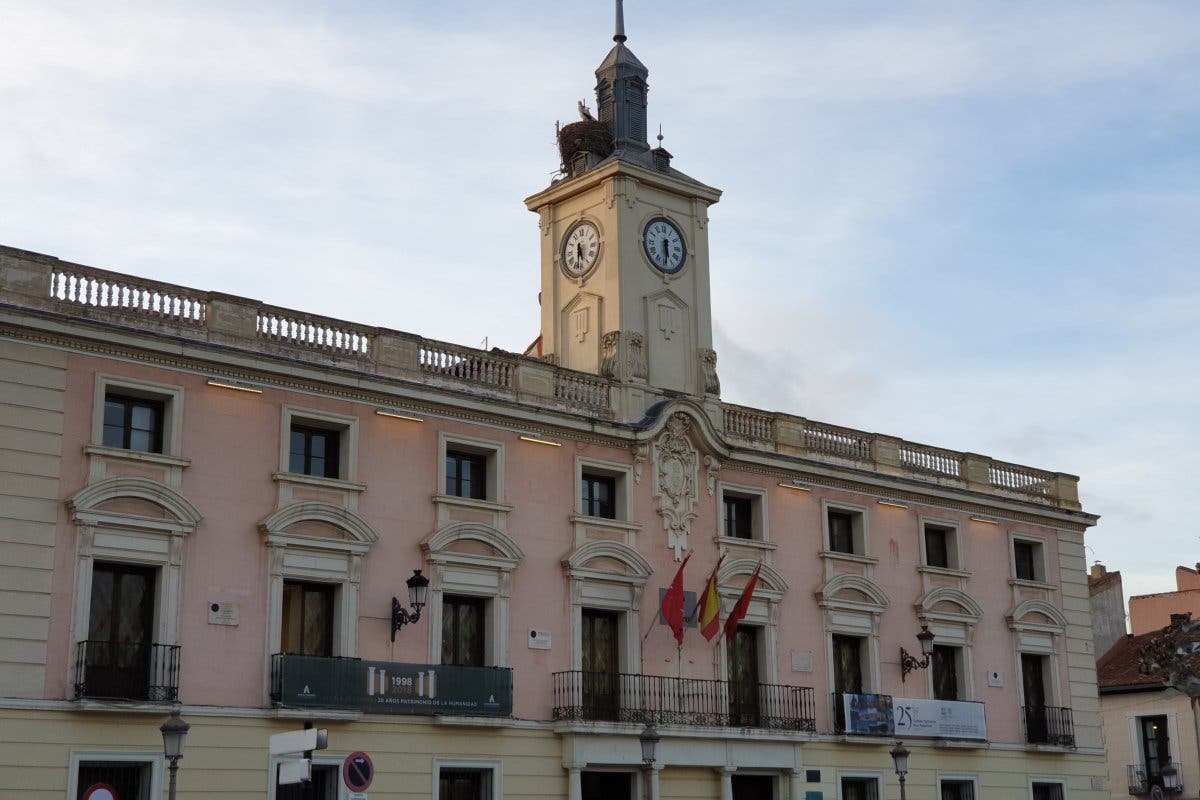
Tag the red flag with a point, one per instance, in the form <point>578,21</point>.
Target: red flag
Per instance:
<point>672,602</point>
<point>743,603</point>
<point>710,605</point>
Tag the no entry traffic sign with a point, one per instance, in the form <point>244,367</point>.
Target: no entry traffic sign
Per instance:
<point>358,771</point>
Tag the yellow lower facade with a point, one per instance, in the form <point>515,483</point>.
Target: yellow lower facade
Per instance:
<point>44,751</point>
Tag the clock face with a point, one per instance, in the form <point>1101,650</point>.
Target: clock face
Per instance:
<point>580,248</point>
<point>664,245</point>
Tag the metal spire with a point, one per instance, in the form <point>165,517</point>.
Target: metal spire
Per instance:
<point>619,36</point>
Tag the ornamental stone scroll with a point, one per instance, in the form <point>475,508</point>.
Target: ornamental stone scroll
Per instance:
<point>676,474</point>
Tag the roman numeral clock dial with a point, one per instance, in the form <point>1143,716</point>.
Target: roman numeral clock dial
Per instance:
<point>580,248</point>
<point>664,245</point>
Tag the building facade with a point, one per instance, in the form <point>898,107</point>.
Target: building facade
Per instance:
<point>215,502</point>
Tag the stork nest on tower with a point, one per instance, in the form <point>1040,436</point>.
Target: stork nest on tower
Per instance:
<point>585,136</point>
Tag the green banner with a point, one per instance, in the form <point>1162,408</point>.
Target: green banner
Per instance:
<point>385,687</point>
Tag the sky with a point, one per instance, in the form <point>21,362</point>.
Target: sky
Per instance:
<point>969,224</point>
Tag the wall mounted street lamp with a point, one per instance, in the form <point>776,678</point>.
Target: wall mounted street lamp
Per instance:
<point>899,755</point>
<point>174,731</point>
<point>649,740</point>
<point>909,662</point>
<point>418,593</point>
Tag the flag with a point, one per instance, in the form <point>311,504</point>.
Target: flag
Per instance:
<point>710,605</point>
<point>743,603</point>
<point>672,602</point>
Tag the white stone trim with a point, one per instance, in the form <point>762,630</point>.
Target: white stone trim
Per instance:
<point>152,758</point>
<point>954,543</point>
<point>171,396</point>
<point>603,590</point>
<point>861,527</point>
<point>760,529</point>
<point>492,450</point>
<point>472,575</point>
<point>496,767</point>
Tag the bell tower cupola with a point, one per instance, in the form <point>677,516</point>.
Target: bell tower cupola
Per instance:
<point>621,91</point>
<point>624,251</point>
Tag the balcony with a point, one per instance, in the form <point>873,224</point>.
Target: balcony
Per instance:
<point>1143,778</point>
<point>147,673</point>
<point>628,697</point>
<point>863,714</point>
<point>1048,725</point>
<point>385,687</point>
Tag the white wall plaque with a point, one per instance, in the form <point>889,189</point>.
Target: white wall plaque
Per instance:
<point>223,614</point>
<point>802,661</point>
<point>539,640</point>
<point>995,679</point>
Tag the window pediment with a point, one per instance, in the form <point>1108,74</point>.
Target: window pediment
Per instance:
<point>734,575</point>
<point>949,604</point>
<point>473,543</point>
<point>1036,615</point>
<point>125,500</point>
<point>600,559</point>
<point>320,525</point>
<point>853,592</point>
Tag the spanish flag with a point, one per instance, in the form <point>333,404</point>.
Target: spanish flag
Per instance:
<point>710,605</point>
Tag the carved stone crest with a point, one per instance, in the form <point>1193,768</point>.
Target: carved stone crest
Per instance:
<point>676,473</point>
<point>608,358</point>
<point>637,357</point>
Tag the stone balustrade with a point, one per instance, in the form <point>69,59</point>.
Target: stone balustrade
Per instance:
<point>43,283</point>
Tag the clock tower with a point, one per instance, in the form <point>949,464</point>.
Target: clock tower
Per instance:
<point>624,250</point>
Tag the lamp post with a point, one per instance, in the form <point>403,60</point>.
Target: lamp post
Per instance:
<point>174,731</point>
<point>908,662</point>
<point>418,594</point>
<point>649,740</point>
<point>899,755</point>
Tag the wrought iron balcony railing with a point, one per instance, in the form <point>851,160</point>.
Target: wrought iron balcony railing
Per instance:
<point>112,671</point>
<point>1048,725</point>
<point>630,697</point>
<point>1144,777</point>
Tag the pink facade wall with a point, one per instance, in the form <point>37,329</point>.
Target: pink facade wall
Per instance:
<point>233,442</point>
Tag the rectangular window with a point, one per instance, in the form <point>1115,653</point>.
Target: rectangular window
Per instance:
<point>464,783</point>
<point>315,451</point>
<point>742,654</point>
<point>957,790</point>
<point>738,517</point>
<point>606,785</point>
<point>847,664</point>
<point>753,787</point>
<point>1047,791</point>
<point>1156,747</point>
<point>860,788</point>
<point>120,644</point>
<point>599,494</point>
<point>307,619</point>
<point>937,552</point>
<point>462,631</point>
<point>324,785</point>
<point>128,780</point>
<point>133,423</point>
<point>944,668</point>
<point>841,531</point>
<point>600,648</point>
<point>1027,560</point>
<point>466,475</point>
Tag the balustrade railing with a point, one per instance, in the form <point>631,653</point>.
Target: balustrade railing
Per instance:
<point>931,459</point>
<point>465,363</point>
<point>631,697</point>
<point>123,293</point>
<point>318,333</point>
<point>115,671</point>
<point>1021,479</point>
<point>582,389</point>
<point>837,441</point>
<point>748,423</point>
<point>1048,725</point>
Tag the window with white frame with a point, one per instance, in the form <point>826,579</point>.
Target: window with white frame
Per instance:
<point>845,528</point>
<point>957,788</point>
<point>470,468</point>
<point>137,416</point>
<point>325,784</point>
<point>132,776</point>
<point>467,780</point>
<point>318,444</point>
<point>1029,560</point>
<point>939,545</point>
<point>859,787</point>
<point>946,672</point>
<point>1044,789</point>
<point>743,513</point>
<point>469,594</point>
<point>603,489</point>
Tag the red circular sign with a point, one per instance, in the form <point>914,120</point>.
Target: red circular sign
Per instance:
<point>358,771</point>
<point>100,791</point>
